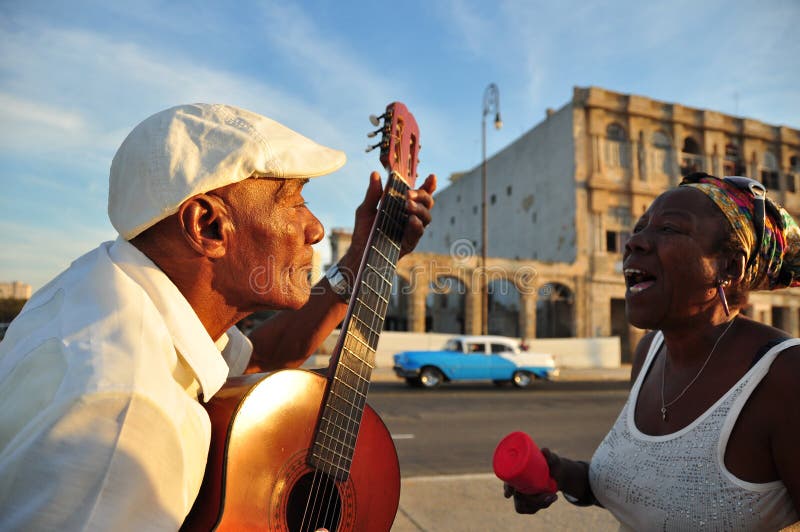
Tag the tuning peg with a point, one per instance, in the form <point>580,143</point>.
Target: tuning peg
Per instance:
<point>374,133</point>
<point>370,148</point>
<point>376,120</point>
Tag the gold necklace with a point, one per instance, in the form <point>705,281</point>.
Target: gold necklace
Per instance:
<point>664,406</point>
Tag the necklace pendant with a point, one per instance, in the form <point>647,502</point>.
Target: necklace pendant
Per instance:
<point>663,413</point>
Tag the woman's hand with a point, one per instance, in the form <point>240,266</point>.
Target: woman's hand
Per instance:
<point>528,503</point>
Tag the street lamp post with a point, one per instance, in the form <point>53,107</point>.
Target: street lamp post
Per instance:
<point>491,104</point>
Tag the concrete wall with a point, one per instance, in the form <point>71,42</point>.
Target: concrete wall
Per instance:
<point>568,352</point>
<point>533,216</point>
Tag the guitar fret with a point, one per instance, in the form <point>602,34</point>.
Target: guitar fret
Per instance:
<point>380,275</point>
<point>370,329</point>
<point>359,340</point>
<point>362,378</point>
<point>327,461</point>
<point>384,257</point>
<point>340,430</point>
<point>389,239</point>
<point>345,383</point>
<point>342,398</point>
<point>377,293</point>
<point>342,445</point>
<point>358,357</point>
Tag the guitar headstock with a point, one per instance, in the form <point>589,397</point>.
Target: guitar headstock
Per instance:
<point>399,142</point>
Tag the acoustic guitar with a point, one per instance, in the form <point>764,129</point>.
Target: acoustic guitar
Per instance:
<point>297,451</point>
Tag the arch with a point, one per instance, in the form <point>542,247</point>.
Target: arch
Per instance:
<point>662,150</point>
<point>661,140</point>
<point>732,163</point>
<point>505,303</point>
<point>691,157</point>
<point>617,150</point>
<point>691,146</point>
<point>445,306</point>
<point>614,131</point>
<point>399,303</point>
<point>555,311</point>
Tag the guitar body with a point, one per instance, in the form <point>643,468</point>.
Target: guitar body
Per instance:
<point>258,476</point>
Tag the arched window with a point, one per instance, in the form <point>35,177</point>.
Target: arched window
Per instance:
<point>733,164</point>
<point>615,131</point>
<point>691,146</point>
<point>691,158</point>
<point>616,146</point>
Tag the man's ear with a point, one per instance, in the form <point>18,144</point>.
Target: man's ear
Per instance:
<point>205,224</point>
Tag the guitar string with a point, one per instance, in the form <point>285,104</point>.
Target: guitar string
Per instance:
<point>360,386</point>
<point>375,307</point>
<point>360,352</point>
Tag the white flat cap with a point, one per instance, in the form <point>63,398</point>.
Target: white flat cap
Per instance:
<point>191,149</point>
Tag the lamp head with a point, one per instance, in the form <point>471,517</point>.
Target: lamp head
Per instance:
<point>497,122</point>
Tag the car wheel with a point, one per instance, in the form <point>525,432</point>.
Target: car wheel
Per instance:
<point>414,382</point>
<point>430,377</point>
<point>521,379</point>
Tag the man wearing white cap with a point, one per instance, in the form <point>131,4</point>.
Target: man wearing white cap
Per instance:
<point>102,373</point>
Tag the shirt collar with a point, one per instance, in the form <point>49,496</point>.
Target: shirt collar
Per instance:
<point>189,336</point>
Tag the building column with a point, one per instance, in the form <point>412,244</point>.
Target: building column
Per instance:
<point>527,314</point>
<point>472,307</point>
<point>416,308</point>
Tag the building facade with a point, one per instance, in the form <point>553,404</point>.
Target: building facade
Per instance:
<point>561,201</point>
<point>15,290</point>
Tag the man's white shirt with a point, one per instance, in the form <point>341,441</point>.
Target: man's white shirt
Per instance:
<point>100,381</point>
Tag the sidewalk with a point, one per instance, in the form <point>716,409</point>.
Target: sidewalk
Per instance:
<point>475,502</point>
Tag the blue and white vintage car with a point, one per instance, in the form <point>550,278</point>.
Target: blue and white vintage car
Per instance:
<point>495,358</point>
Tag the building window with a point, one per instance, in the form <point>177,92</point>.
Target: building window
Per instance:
<point>475,209</point>
<point>732,164</point>
<point>616,240</point>
<point>452,220</point>
<point>508,190</point>
<point>794,171</point>
<point>494,199</point>
<point>662,153</point>
<point>691,157</point>
<point>616,147</point>
<point>769,171</point>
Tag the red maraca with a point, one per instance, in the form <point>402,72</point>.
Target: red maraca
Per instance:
<point>519,462</point>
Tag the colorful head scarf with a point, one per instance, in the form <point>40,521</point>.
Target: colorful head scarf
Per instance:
<point>778,262</point>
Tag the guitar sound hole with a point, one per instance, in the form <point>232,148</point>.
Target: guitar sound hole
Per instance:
<point>313,503</point>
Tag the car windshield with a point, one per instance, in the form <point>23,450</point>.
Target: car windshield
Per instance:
<point>453,345</point>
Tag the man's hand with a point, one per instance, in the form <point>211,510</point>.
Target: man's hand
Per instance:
<point>418,204</point>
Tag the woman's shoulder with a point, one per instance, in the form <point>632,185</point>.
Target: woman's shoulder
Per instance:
<point>640,355</point>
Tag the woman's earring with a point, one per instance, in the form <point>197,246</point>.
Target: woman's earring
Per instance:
<point>721,294</point>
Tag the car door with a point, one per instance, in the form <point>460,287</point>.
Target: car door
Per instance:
<point>476,362</point>
<point>502,361</point>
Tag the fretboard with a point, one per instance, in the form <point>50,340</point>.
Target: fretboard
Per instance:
<point>354,357</point>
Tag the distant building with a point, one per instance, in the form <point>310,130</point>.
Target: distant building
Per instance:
<point>15,290</point>
<point>561,201</point>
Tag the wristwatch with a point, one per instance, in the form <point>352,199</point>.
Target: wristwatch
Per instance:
<point>339,283</point>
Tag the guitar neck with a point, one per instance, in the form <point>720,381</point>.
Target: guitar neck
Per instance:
<point>354,357</point>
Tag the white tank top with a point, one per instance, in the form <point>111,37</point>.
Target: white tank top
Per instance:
<point>679,481</point>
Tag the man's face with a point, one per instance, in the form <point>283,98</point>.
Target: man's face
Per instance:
<point>268,256</point>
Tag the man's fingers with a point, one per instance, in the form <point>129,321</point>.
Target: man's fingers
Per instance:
<point>374,192</point>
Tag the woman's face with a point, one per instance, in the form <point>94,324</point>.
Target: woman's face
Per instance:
<point>671,262</point>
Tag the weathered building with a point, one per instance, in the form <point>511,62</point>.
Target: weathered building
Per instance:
<point>561,201</point>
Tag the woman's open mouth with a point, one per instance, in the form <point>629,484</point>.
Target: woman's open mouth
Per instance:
<point>638,280</point>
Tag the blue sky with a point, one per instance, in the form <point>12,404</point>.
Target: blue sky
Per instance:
<point>76,76</point>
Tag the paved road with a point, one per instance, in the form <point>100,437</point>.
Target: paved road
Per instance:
<point>445,439</point>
